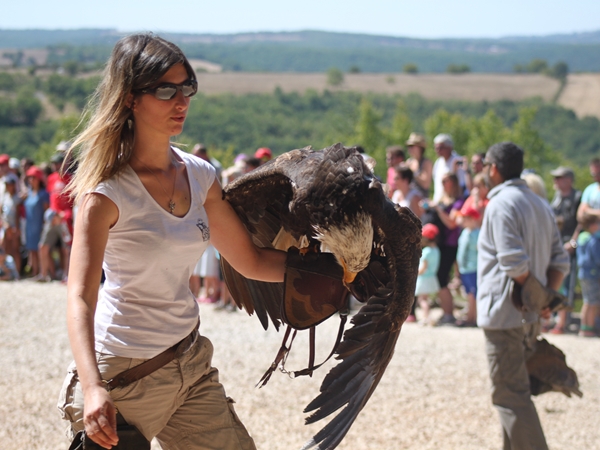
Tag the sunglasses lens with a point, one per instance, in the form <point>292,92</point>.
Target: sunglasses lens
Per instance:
<point>189,89</point>
<point>165,92</point>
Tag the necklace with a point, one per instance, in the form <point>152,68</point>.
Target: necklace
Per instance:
<point>171,202</point>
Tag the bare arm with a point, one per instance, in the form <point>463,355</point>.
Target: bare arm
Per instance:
<point>231,239</point>
<point>449,220</point>
<point>424,178</point>
<point>96,215</point>
<point>586,210</point>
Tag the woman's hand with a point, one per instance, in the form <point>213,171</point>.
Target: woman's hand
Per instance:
<point>100,417</point>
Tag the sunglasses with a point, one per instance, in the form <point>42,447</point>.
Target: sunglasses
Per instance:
<point>168,91</point>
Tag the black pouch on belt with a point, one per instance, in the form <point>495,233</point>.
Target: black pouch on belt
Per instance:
<point>130,438</point>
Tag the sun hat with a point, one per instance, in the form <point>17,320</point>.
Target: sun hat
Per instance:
<point>416,139</point>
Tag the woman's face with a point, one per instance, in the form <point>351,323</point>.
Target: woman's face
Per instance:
<point>449,187</point>
<point>34,182</point>
<point>400,182</point>
<point>162,117</point>
<point>415,151</point>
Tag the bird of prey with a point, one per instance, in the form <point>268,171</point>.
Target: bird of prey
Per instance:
<point>548,371</point>
<point>329,203</point>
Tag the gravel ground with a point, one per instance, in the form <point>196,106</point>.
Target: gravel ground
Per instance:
<point>434,395</point>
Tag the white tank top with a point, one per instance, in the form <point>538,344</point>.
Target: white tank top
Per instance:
<point>145,305</point>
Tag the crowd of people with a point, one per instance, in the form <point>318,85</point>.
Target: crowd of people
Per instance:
<point>450,196</point>
<point>36,221</point>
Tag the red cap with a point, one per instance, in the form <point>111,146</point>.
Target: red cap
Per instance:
<point>471,212</point>
<point>430,231</point>
<point>263,152</point>
<point>4,158</point>
<point>35,172</point>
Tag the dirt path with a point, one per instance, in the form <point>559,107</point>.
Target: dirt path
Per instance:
<point>434,394</point>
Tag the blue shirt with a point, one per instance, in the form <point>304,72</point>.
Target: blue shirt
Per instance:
<point>432,256</point>
<point>466,256</point>
<point>591,196</point>
<point>588,255</point>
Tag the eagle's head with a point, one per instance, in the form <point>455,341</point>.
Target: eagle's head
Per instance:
<point>350,241</point>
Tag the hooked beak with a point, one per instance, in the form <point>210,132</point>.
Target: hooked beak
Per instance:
<point>348,276</point>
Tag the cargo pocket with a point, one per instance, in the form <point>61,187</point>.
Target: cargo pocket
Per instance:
<point>246,442</point>
<point>67,404</point>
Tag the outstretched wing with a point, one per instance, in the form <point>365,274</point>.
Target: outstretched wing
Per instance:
<point>261,200</point>
<point>387,286</point>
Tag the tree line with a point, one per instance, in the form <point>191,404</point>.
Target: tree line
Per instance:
<point>282,121</point>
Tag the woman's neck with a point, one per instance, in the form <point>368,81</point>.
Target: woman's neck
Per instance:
<point>152,154</point>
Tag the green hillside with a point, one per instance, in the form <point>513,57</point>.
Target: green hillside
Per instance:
<point>316,51</point>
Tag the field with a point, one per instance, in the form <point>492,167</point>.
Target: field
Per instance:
<point>469,87</point>
<point>582,94</point>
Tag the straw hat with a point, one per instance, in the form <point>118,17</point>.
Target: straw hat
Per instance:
<point>417,139</point>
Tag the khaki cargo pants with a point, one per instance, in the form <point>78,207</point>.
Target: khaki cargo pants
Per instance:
<point>182,404</point>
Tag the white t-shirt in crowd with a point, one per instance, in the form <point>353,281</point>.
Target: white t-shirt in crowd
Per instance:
<point>440,168</point>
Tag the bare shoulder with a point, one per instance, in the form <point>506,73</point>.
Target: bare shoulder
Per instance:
<point>97,210</point>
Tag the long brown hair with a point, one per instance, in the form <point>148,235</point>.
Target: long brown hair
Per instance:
<point>105,146</point>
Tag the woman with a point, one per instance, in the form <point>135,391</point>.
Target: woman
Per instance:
<point>147,211</point>
<point>448,210</point>
<point>422,167</point>
<point>404,194</point>
<point>35,204</point>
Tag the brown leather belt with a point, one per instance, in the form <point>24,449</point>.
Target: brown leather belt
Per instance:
<point>138,372</point>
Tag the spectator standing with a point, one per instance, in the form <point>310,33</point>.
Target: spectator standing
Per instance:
<point>11,231</point>
<point>448,211</point>
<point>404,193</point>
<point>466,257</point>
<point>477,198</point>
<point>475,168</point>
<point>565,204</point>
<point>427,282</point>
<point>518,239</point>
<point>590,199</point>
<point>421,166</point>
<point>448,162</point>
<point>36,202</point>
<point>53,234</point>
<point>394,156</point>
<point>4,169</point>
<point>588,260</point>
<point>264,154</point>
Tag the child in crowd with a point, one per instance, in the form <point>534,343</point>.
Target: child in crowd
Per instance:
<point>466,257</point>
<point>588,261</point>
<point>427,282</point>
<point>8,270</point>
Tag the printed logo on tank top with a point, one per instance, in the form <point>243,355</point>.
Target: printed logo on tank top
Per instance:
<point>203,227</point>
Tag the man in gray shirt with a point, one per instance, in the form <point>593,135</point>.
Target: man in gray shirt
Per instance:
<point>518,237</point>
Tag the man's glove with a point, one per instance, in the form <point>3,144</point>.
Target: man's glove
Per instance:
<point>532,296</point>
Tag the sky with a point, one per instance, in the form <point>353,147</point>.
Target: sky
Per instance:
<point>414,18</point>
